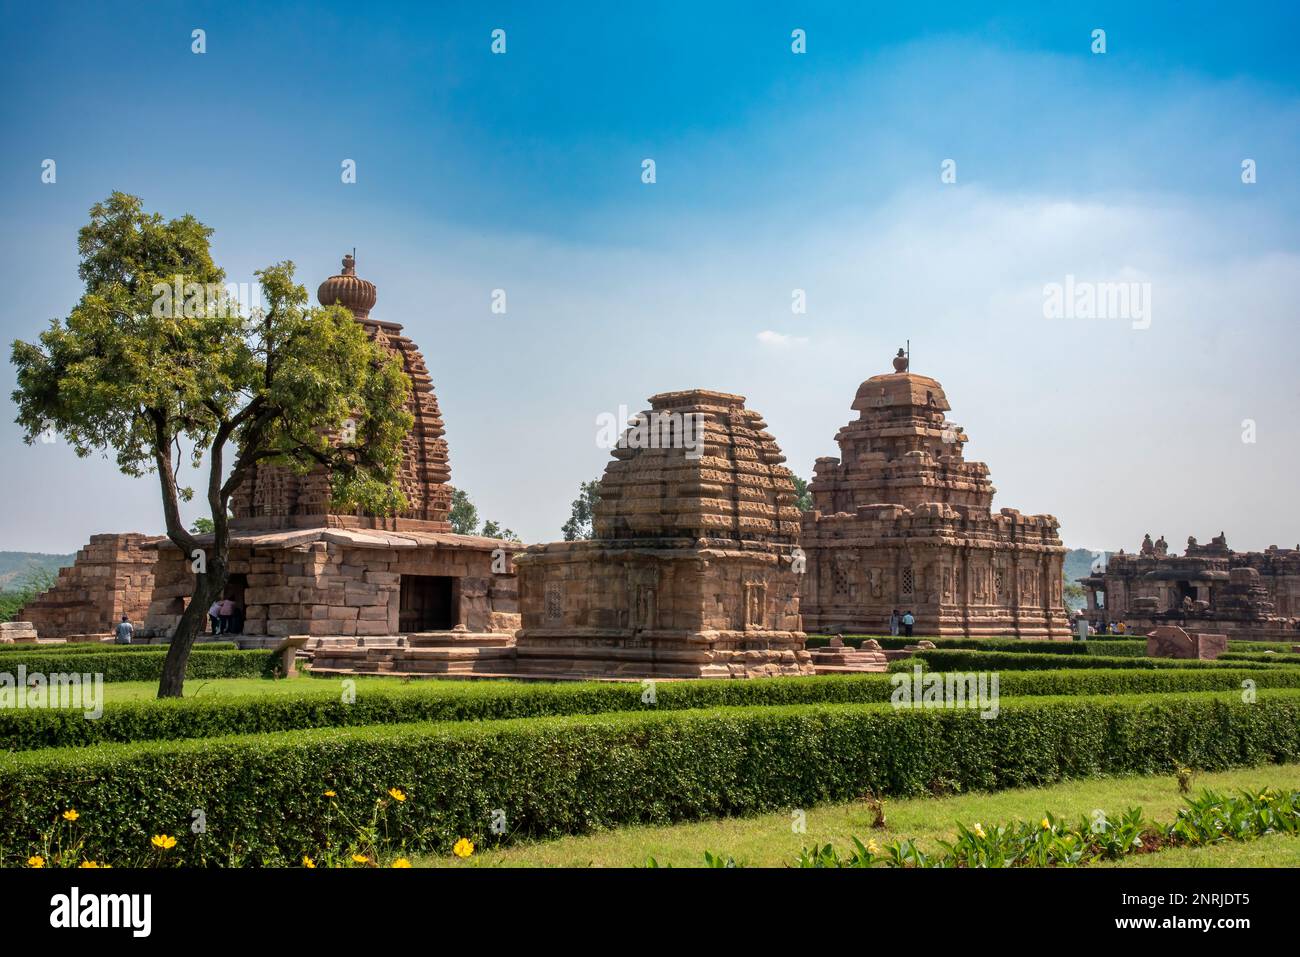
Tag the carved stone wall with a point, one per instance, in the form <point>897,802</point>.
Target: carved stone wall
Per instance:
<point>690,573</point>
<point>344,582</point>
<point>1208,589</point>
<point>901,520</point>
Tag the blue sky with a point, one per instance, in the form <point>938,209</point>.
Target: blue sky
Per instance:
<point>775,172</point>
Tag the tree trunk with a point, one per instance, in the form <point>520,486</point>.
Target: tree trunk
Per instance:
<point>207,588</point>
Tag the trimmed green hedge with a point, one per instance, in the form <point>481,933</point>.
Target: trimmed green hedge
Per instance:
<point>1273,658</point>
<point>1127,648</point>
<point>146,665</point>
<point>264,802</point>
<point>320,704</point>
<point>103,647</point>
<point>940,659</point>
<point>1283,647</point>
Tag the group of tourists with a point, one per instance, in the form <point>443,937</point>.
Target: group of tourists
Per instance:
<point>226,617</point>
<point>904,622</point>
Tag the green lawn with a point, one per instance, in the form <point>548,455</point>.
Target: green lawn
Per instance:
<point>769,840</point>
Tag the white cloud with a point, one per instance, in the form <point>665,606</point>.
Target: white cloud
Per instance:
<point>778,340</point>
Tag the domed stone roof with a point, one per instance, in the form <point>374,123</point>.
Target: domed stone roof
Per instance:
<point>348,289</point>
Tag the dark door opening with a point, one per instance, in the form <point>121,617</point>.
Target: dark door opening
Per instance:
<point>235,586</point>
<point>426,604</point>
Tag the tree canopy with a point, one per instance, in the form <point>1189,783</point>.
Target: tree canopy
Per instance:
<point>143,373</point>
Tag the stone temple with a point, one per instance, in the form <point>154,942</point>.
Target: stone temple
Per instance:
<point>691,570</point>
<point>1209,589</point>
<point>900,520</point>
<point>298,567</point>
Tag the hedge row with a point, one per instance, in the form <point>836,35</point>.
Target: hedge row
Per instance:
<point>1237,644</point>
<point>103,647</point>
<point>321,703</point>
<point>263,796</point>
<point>1127,648</point>
<point>1265,656</point>
<point>961,660</point>
<point>144,666</point>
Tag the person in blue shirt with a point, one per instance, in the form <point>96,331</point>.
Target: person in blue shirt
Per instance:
<point>124,631</point>
<point>908,622</point>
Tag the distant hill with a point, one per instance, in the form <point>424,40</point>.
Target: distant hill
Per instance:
<point>17,566</point>
<point>1078,563</point>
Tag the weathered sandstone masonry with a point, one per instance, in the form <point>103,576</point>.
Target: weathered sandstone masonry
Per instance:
<point>112,576</point>
<point>1209,589</point>
<point>690,573</point>
<point>901,520</point>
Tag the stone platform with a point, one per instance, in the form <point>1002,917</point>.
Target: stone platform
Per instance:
<point>427,654</point>
<point>839,658</point>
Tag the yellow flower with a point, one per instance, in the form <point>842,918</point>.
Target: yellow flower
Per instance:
<point>873,847</point>
<point>70,815</point>
<point>86,864</point>
<point>1046,823</point>
<point>330,794</point>
<point>463,848</point>
<point>397,794</point>
<point>163,842</point>
<point>307,861</point>
<point>978,829</point>
<point>360,859</point>
<point>36,861</point>
<point>401,862</point>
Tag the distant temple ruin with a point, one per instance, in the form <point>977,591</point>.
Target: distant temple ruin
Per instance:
<point>902,521</point>
<point>1208,589</point>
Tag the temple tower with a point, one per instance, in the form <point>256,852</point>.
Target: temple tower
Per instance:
<point>901,520</point>
<point>278,497</point>
<point>691,572</point>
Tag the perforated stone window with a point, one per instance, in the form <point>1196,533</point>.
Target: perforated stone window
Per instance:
<point>554,601</point>
<point>840,580</point>
<point>907,581</point>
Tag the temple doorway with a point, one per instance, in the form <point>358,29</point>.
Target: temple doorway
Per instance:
<point>426,603</point>
<point>235,586</point>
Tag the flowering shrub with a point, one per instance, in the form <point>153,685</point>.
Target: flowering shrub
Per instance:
<point>1050,842</point>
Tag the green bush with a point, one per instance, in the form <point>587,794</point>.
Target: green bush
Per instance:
<point>1265,656</point>
<point>1126,648</point>
<point>144,666</point>
<point>1284,647</point>
<point>320,704</point>
<point>96,647</point>
<point>264,802</point>
<point>940,659</point>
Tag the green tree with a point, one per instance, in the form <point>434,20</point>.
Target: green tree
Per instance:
<point>492,529</point>
<point>582,515</point>
<point>464,516</point>
<point>32,585</point>
<point>803,499</point>
<point>202,526</point>
<point>133,370</point>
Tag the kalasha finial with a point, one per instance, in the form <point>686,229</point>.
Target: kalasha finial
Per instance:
<point>348,289</point>
<point>900,361</point>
